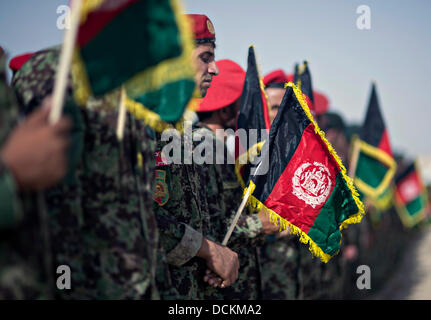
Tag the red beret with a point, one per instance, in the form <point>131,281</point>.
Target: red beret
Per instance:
<point>225,88</point>
<point>202,28</point>
<point>17,62</point>
<point>276,79</point>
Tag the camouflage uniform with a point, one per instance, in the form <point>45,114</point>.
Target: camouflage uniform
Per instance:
<point>194,200</point>
<point>224,195</point>
<point>101,217</point>
<point>183,219</point>
<point>310,274</point>
<point>22,271</point>
<point>280,267</point>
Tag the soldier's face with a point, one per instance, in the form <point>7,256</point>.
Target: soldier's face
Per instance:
<point>206,68</point>
<point>275,96</point>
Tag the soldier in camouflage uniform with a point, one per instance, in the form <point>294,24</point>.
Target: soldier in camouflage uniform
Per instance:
<point>101,219</point>
<point>218,111</point>
<point>180,198</point>
<point>32,158</point>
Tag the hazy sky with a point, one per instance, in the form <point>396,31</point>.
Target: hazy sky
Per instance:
<point>343,60</point>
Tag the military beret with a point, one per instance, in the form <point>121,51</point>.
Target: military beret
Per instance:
<point>225,88</point>
<point>276,79</point>
<point>17,62</point>
<point>203,28</point>
<point>321,103</point>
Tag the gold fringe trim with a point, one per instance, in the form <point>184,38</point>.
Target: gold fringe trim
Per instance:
<point>286,225</point>
<point>150,118</point>
<point>82,89</point>
<point>381,156</point>
<point>292,229</point>
<point>355,218</point>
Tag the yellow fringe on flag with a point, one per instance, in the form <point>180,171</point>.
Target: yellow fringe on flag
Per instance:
<point>356,218</point>
<point>150,118</point>
<point>285,224</point>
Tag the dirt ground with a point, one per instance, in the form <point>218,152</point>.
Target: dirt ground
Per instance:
<point>412,279</point>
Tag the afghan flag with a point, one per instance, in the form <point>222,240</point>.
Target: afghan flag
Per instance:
<point>301,182</point>
<point>375,165</point>
<point>145,45</point>
<point>253,120</point>
<point>410,196</point>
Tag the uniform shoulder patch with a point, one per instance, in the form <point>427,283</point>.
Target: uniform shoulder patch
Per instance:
<point>161,192</point>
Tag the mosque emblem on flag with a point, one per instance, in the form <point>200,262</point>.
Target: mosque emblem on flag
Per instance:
<point>312,183</point>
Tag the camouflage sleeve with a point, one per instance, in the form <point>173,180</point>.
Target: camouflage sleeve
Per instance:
<point>10,210</point>
<point>249,226</point>
<point>176,210</point>
<point>180,241</point>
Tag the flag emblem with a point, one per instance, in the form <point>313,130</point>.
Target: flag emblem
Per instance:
<point>312,183</point>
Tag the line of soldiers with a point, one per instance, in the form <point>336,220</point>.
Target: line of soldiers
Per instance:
<point>127,223</point>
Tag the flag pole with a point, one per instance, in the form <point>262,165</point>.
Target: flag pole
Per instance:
<point>64,63</point>
<point>121,114</point>
<point>250,190</point>
<point>237,215</point>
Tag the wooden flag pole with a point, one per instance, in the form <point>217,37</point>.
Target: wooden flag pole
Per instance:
<point>121,115</point>
<point>237,215</point>
<point>64,63</point>
<point>250,190</point>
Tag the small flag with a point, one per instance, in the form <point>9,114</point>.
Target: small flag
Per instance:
<point>410,196</point>
<point>375,165</point>
<point>145,45</point>
<point>305,187</point>
<point>307,85</point>
<point>252,119</point>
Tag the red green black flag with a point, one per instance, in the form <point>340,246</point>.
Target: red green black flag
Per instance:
<point>375,166</point>
<point>304,187</point>
<point>252,119</point>
<point>410,196</point>
<point>146,46</point>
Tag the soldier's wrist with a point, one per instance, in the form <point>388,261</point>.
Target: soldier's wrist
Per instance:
<point>204,251</point>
